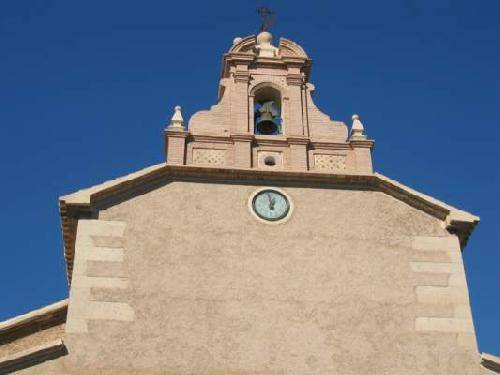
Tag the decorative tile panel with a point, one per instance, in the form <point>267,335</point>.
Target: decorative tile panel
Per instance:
<point>209,157</point>
<point>327,162</point>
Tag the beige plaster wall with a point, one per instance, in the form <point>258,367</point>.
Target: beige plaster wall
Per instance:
<point>208,289</point>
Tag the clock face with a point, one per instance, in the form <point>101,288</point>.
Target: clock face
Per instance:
<point>271,205</point>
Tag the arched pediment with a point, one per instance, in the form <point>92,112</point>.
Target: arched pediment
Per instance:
<point>289,48</point>
<point>245,45</point>
<point>286,47</point>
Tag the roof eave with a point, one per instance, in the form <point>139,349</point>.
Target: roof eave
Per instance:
<point>490,362</point>
<point>72,206</point>
<point>55,311</point>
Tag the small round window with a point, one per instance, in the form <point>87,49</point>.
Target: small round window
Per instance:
<point>270,161</point>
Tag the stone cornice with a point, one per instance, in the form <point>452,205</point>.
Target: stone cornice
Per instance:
<point>82,203</point>
<point>209,138</point>
<point>241,76</point>
<point>176,132</point>
<point>329,145</point>
<point>361,143</point>
<point>235,58</point>
<point>271,140</point>
<point>270,61</point>
<point>262,140</point>
<point>242,137</point>
<point>242,57</point>
<point>295,79</point>
<point>296,61</point>
<point>298,140</point>
<point>303,64</point>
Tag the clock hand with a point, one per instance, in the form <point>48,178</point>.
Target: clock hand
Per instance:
<point>269,197</point>
<point>272,203</point>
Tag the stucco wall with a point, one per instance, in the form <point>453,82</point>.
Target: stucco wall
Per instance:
<point>206,288</point>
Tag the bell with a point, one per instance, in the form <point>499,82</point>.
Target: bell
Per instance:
<point>266,123</point>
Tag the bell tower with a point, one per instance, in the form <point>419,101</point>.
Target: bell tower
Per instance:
<point>265,118</point>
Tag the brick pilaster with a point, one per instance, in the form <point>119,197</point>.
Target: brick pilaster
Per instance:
<point>242,150</point>
<point>298,153</point>
<point>175,146</point>
<point>363,155</point>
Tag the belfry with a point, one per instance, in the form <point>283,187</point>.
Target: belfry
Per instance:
<point>262,243</point>
<point>266,118</point>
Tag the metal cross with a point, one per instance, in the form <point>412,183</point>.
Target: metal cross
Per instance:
<point>267,18</point>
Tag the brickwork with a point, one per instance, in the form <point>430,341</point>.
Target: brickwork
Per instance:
<point>363,159</point>
<point>298,157</point>
<point>285,69</point>
<point>242,150</point>
<point>239,101</point>
<point>176,147</point>
<point>294,125</point>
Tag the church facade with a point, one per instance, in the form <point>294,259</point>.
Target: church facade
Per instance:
<point>265,244</point>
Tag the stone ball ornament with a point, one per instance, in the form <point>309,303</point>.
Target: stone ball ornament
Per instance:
<point>265,37</point>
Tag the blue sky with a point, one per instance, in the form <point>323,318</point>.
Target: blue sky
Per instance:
<point>87,87</point>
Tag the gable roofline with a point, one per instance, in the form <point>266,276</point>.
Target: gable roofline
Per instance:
<point>85,203</point>
<point>54,313</point>
<point>32,323</point>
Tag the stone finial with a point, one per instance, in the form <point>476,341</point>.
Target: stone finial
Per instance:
<point>237,40</point>
<point>177,121</point>
<point>357,129</point>
<point>264,47</point>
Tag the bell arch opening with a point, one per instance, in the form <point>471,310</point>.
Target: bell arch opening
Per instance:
<point>267,111</point>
